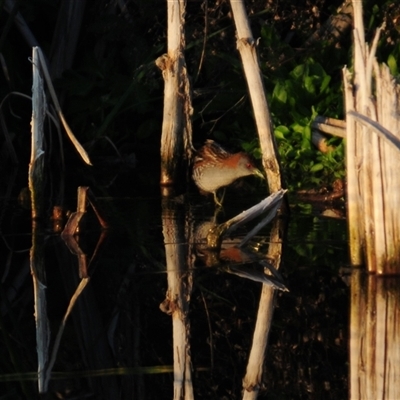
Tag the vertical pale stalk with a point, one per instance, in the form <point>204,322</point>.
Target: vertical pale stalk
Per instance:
<point>353,162</point>
<point>373,184</point>
<point>248,52</point>
<point>36,186</point>
<point>387,92</point>
<point>176,127</point>
<point>36,164</point>
<point>364,139</point>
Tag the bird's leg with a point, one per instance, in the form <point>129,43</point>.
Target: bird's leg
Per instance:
<point>223,195</point>
<point>219,202</point>
<point>215,216</point>
<point>216,200</point>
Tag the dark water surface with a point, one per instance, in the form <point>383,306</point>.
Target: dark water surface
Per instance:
<point>118,342</point>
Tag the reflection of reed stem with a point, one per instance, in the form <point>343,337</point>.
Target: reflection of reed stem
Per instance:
<point>252,379</point>
<point>178,294</point>
<point>56,346</point>
<point>272,203</point>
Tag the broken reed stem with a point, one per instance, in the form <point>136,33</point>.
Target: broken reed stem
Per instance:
<point>176,134</point>
<point>372,154</point>
<point>36,187</point>
<point>43,66</point>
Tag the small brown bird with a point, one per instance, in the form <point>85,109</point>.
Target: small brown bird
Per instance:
<point>215,168</point>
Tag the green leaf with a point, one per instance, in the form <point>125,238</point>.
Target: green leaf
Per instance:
<point>257,154</point>
<point>309,84</point>
<point>307,132</point>
<point>298,72</point>
<point>267,35</point>
<point>279,93</point>
<point>280,131</point>
<point>306,142</point>
<point>316,167</point>
<point>314,113</point>
<point>247,147</point>
<point>375,11</point>
<point>297,127</point>
<point>325,83</point>
<point>392,63</point>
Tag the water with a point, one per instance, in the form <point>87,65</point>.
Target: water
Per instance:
<point>118,342</point>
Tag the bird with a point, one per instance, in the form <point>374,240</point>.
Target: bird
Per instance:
<point>214,168</point>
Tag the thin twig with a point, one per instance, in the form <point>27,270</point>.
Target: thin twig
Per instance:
<point>203,50</point>
<point>209,330</point>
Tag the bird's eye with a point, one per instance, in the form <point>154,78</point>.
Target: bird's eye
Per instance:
<point>248,165</point>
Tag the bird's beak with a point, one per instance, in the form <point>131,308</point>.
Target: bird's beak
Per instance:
<point>258,173</point>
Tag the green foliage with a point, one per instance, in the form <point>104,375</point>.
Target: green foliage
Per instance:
<point>386,16</point>
<point>296,101</point>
